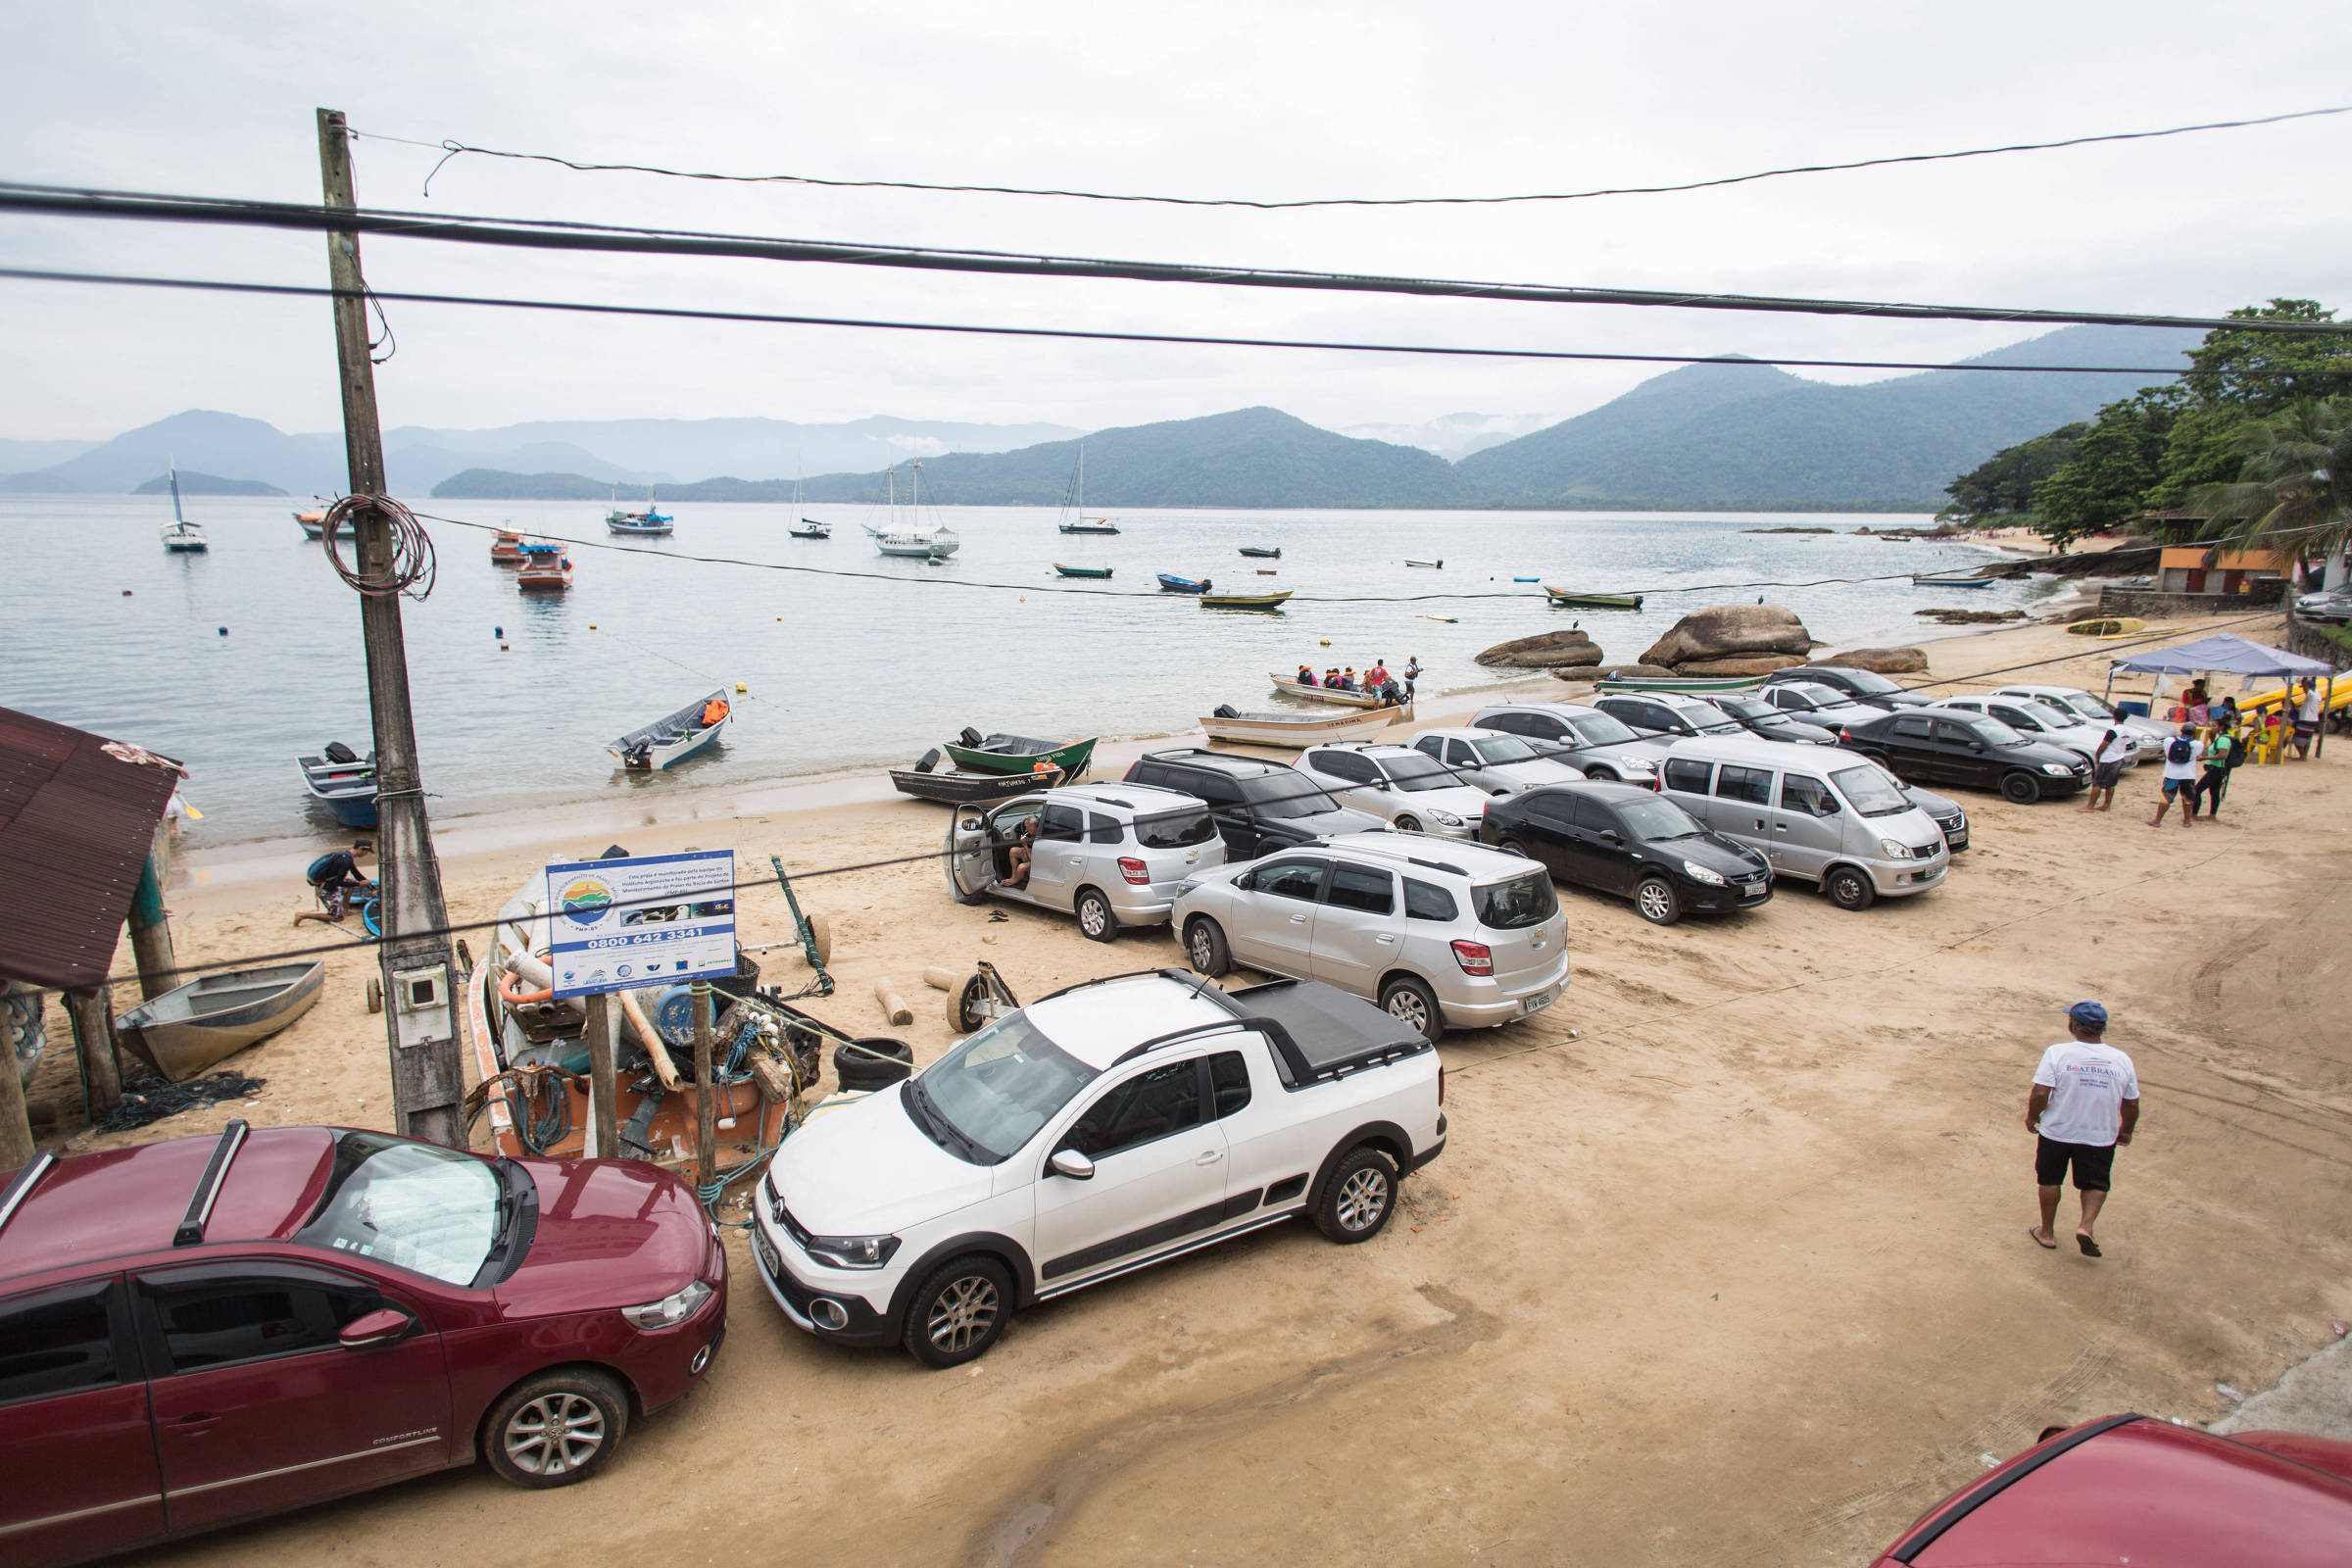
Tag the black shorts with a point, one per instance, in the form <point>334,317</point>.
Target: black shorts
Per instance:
<point>2093,1162</point>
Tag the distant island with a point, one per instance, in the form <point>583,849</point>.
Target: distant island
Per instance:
<point>207,484</point>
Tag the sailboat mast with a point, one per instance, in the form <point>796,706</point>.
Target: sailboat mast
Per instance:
<point>1081,481</point>
<point>172,468</point>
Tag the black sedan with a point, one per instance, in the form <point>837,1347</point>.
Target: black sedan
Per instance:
<point>1951,746</point>
<point>1622,839</point>
<point>1865,686</point>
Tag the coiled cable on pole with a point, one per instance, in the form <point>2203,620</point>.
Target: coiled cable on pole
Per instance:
<point>412,569</point>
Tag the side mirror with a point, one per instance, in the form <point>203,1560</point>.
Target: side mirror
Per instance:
<point>370,1328</point>
<point>1071,1163</point>
<point>1382,786</point>
<point>1610,834</point>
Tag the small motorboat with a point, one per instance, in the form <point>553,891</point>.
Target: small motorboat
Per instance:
<point>1100,573</point>
<point>1287,686</point>
<point>1432,565</point>
<point>1303,729</point>
<point>1570,599</point>
<point>1262,552</point>
<point>1951,580</point>
<point>180,536</point>
<point>1090,525</point>
<point>648,522</point>
<point>546,569</point>
<point>191,1027</point>
<point>1172,584</point>
<point>677,737</point>
<point>344,780</point>
<point>314,521</point>
<point>934,546</point>
<point>1209,601</point>
<point>507,550</point>
<point>1018,754</point>
<point>1527,579</point>
<point>965,787</point>
<point>810,528</point>
<point>1268,571</point>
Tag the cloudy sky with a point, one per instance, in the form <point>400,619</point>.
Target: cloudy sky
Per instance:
<point>1260,100</point>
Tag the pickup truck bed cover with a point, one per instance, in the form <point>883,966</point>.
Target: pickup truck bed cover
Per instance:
<point>1326,1030</point>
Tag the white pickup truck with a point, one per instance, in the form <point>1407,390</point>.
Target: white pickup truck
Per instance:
<point>1103,1129</point>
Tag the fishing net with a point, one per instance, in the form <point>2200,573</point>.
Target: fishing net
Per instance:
<point>153,1100</point>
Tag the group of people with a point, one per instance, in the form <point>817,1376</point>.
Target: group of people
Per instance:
<point>1375,679</point>
<point>2214,740</point>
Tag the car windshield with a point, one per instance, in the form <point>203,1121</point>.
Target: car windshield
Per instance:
<point>1513,906</point>
<point>1418,774</point>
<point>2052,715</point>
<point>1871,684</point>
<point>1503,749</point>
<point>1820,695</point>
<point>1653,820</point>
<point>2088,705</point>
<point>1994,732</point>
<point>1288,794</point>
<point>1600,729</point>
<point>431,1210</point>
<point>1174,830</point>
<point>1868,790</point>
<point>1706,718</point>
<point>1746,706</point>
<point>985,1099</point>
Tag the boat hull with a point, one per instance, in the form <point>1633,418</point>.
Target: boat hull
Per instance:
<point>672,739</point>
<point>649,530</point>
<point>1563,598</point>
<point>1071,758</point>
<point>1261,554</point>
<point>961,788</point>
<point>1089,528</point>
<point>1096,573</point>
<point>1182,585</point>
<point>189,1028</point>
<point>1284,686</point>
<point>1953,582</point>
<point>1243,601</point>
<point>1308,729</point>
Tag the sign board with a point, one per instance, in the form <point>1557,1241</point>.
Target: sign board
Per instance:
<point>650,920</point>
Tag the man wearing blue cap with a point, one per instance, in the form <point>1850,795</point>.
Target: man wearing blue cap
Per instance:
<point>2086,1101</point>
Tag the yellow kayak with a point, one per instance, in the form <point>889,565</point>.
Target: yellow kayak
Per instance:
<point>2111,627</point>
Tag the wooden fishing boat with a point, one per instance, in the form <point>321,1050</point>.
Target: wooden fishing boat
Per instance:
<point>344,781</point>
<point>1172,584</point>
<point>1286,686</point>
<point>960,787</point>
<point>1951,580</point>
<point>1268,571</point>
<point>648,522</point>
<point>1017,753</point>
<point>1303,729</point>
<point>1570,599</point>
<point>546,569</point>
<point>1432,565</point>
<point>191,1027</point>
<point>677,737</point>
<point>1262,552</point>
<point>507,550</point>
<point>1209,601</point>
<point>1100,573</point>
<point>1699,684</point>
<point>810,528</point>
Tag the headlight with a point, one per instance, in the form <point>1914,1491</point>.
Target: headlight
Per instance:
<point>1187,886</point>
<point>669,1311</point>
<point>1894,851</point>
<point>1699,873</point>
<point>2059,768</point>
<point>1446,819</point>
<point>853,1252</point>
<point>1638,764</point>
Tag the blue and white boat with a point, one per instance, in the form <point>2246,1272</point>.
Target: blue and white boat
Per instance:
<point>648,522</point>
<point>1169,583</point>
<point>344,781</point>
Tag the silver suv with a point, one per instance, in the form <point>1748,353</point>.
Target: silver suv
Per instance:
<point>1504,765</point>
<point>1111,854</point>
<point>1583,736</point>
<point>1410,792</point>
<point>1439,934</point>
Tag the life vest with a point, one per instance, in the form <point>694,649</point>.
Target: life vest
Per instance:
<point>713,711</point>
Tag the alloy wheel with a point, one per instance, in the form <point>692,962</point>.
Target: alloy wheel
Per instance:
<point>1092,916</point>
<point>1405,1003</point>
<point>1656,902</point>
<point>961,1313</point>
<point>555,1433</point>
<point>1363,1199</point>
<point>1203,954</point>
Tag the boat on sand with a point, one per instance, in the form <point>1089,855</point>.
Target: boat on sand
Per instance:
<point>1303,729</point>
<point>191,1027</point>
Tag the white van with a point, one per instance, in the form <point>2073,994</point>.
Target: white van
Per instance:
<point>1817,812</point>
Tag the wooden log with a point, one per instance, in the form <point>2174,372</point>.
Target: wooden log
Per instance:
<point>772,1076</point>
<point>941,979</point>
<point>893,1005</point>
<point>706,1102</point>
<point>664,1068</point>
<point>93,1016</point>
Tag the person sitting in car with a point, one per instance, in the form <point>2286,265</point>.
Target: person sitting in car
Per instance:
<point>1018,857</point>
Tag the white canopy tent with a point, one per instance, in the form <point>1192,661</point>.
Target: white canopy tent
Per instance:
<point>2225,655</point>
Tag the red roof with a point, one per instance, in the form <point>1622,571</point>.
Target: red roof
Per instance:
<point>77,815</point>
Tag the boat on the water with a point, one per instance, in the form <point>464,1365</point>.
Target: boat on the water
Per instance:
<point>1073,504</point>
<point>342,780</point>
<point>546,569</point>
<point>1410,562</point>
<point>191,1027</point>
<point>1951,580</point>
<point>1676,683</point>
<point>1571,599</point>
<point>1018,754</point>
<point>1262,552</point>
<point>963,786</point>
<point>507,550</point>
<point>1286,686</point>
<point>1209,601</point>
<point>678,736</point>
<point>912,544</point>
<point>812,529</point>
<point>314,521</point>
<point>1171,583</point>
<point>1090,525</point>
<point>180,536</point>
<point>648,522</point>
<point>1100,573</point>
<point>1303,729</point>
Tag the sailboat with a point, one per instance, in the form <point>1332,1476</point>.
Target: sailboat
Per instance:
<point>1076,503</point>
<point>181,537</point>
<point>648,522</point>
<point>811,527</point>
<point>910,543</point>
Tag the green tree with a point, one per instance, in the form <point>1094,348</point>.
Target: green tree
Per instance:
<point>2002,485</point>
<point>2294,492</point>
<point>2114,463</point>
<point>2259,371</point>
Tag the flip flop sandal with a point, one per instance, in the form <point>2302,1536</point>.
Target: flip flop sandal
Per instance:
<point>2090,1248</point>
<point>2034,1233</point>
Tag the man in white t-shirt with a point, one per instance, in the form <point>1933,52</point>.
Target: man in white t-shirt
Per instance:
<point>2179,778</point>
<point>2086,1101</point>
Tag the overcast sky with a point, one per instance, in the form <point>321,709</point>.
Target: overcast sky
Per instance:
<point>1269,101</point>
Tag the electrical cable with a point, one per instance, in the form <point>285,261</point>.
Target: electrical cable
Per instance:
<point>408,569</point>
<point>449,148</point>
<point>573,235</point>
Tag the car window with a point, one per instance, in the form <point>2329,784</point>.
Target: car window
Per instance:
<point>1100,829</point>
<point>1360,887</point>
<point>1060,824</point>
<point>1431,744</point>
<point>1787,697</point>
<point>57,1342</point>
<point>1994,732</point>
<point>1807,797</point>
<point>1228,1083</point>
<point>1418,774</point>
<point>997,1087</point>
<point>1506,749</point>
<point>1352,767</point>
<point>1753,784</point>
<point>1688,774</point>
<point>419,1207</point>
<point>1600,729</point>
<point>1148,1106</point>
<point>1461,753</point>
<point>1290,879</point>
<point>1507,723</point>
<point>1652,821</point>
<point>221,1322</point>
<point>1423,901</point>
<point>1743,706</point>
<point>1589,813</point>
<point>1516,904</point>
<point>1908,728</point>
<point>1964,705</point>
<point>1550,805</point>
<point>1871,791</point>
<point>1175,830</point>
<point>2015,718</point>
<point>1868,683</point>
<point>1822,695</point>
<point>1290,794</point>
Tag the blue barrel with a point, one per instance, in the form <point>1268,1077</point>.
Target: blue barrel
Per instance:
<point>672,1013</point>
<point>2133,709</point>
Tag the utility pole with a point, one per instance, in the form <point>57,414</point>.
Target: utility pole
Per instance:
<point>429,1078</point>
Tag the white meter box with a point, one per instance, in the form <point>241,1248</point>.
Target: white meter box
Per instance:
<point>650,920</point>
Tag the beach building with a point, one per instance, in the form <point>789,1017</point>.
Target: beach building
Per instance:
<point>2202,569</point>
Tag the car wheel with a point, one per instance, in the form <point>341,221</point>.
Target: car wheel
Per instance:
<point>1413,1003</point>
<point>1515,847</point>
<point>1407,823</point>
<point>872,1063</point>
<point>1359,1197</point>
<point>959,1311</point>
<point>2023,788</point>
<point>1606,775</point>
<point>1850,889</point>
<point>1204,945</point>
<point>555,1428</point>
<point>1095,917</point>
<point>1655,900</point>
<point>963,1009</point>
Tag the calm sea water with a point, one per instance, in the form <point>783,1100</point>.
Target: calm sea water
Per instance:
<point>842,673</point>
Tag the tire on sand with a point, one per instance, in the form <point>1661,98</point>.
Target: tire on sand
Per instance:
<point>1359,1198</point>
<point>555,1428</point>
<point>959,1311</point>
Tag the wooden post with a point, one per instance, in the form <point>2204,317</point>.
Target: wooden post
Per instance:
<point>150,929</point>
<point>706,1104</point>
<point>428,1071</point>
<point>16,1127</point>
<point>604,1088</point>
<point>93,1016</point>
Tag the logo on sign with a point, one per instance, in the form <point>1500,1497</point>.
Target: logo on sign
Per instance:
<point>623,971</point>
<point>586,900</point>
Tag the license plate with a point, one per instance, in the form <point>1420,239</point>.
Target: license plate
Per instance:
<point>1931,874</point>
<point>1751,888</point>
<point>1538,1002</point>
<point>767,1252</point>
<point>1960,842</point>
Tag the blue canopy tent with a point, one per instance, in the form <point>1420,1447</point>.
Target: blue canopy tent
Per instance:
<point>2225,655</point>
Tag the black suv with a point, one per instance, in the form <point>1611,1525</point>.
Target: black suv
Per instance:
<point>1260,807</point>
<point>1864,686</point>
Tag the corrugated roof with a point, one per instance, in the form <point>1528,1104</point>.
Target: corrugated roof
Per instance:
<point>78,814</point>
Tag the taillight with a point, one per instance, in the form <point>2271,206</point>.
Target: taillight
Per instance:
<point>1134,871</point>
<point>1845,737</point>
<point>1475,957</point>
<point>1441,1083</point>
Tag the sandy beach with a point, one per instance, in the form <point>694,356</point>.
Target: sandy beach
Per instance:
<point>1726,1260</point>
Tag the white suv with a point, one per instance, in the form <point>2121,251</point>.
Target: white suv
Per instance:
<point>1410,791</point>
<point>1503,764</point>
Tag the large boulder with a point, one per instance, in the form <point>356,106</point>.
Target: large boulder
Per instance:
<point>1739,664</point>
<point>1884,660</point>
<point>1549,649</point>
<point>1613,671</point>
<point>1727,631</point>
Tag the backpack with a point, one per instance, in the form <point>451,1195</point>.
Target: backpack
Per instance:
<point>2179,748</point>
<point>2238,750</point>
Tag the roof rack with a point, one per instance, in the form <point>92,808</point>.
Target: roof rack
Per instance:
<point>1414,859</point>
<point>1203,750</point>
<point>22,1187</point>
<point>207,1186</point>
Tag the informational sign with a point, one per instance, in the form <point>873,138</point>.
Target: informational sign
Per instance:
<point>650,920</point>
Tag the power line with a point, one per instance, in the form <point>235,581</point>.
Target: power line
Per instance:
<point>449,148</point>
<point>570,235</point>
<point>684,313</point>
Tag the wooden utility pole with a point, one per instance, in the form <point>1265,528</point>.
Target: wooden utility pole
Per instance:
<point>150,927</point>
<point>706,1104</point>
<point>428,1079</point>
<point>16,1126</point>
<point>93,1016</point>
<point>604,1118</point>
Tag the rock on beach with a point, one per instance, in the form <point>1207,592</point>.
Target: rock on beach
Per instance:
<point>1550,649</point>
<point>1733,640</point>
<point>1884,660</point>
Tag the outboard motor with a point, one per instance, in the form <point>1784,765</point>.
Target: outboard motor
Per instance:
<point>1226,710</point>
<point>970,738</point>
<point>337,752</point>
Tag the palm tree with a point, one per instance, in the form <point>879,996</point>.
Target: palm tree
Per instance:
<point>2293,493</point>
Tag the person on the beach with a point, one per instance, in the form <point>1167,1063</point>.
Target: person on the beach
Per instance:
<point>1018,856</point>
<point>1412,673</point>
<point>2307,718</point>
<point>2214,759</point>
<point>2084,1101</point>
<point>2179,778</point>
<point>1377,677</point>
<point>2225,713</point>
<point>332,877</point>
<point>2106,771</point>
